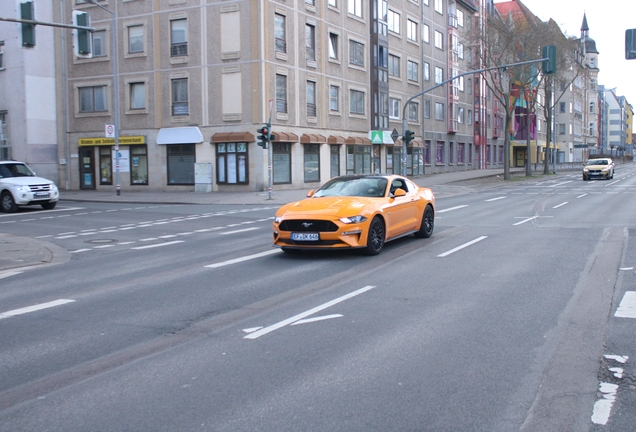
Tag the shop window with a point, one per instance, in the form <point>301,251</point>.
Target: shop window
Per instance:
<point>390,161</point>
<point>139,165</point>
<point>334,160</point>
<point>311,162</point>
<point>232,163</point>
<point>105,166</point>
<point>358,159</point>
<point>281,162</point>
<point>414,161</point>
<point>181,158</point>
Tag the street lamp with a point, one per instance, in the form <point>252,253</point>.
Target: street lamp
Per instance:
<point>115,90</point>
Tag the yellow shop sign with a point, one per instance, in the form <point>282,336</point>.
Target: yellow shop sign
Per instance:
<point>123,140</point>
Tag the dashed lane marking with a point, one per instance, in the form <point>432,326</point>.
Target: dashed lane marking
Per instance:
<point>34,308</point>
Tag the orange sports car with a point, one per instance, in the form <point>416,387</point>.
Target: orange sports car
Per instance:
<point>356,211</point>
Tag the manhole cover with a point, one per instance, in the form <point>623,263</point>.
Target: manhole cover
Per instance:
<point>101,241</point>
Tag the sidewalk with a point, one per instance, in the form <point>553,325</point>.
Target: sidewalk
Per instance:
<point>18,253</point>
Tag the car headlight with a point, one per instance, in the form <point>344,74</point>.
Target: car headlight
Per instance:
<point>353,219</point>
<point>585,170</point>
<point>605,169</point>
<point>23,189</point>
<point>278,219</point>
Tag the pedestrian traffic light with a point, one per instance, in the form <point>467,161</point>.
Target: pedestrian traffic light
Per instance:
<point>28,30</point>
<point>548,66</point>
<point>408,137</point>
<point>630,44</point>
<point>264,136</point>
<point>82,38</point>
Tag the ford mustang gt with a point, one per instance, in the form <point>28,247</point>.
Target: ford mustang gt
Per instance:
<point>356,211</point>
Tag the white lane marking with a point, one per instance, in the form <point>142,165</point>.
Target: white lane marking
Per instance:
<point>581,196</point>
<point>495,199</point>
<point>478,239</point>
<point>450,209</point>
<point>305,314</point>
<point>627,307</point>
<point>626,268</point>
<point>315,319</point>
<point>8,273</point>
<point>66,236</point>
<point>618,372</point>
<point>34,308</point>
<point>560,205</point>
<point>603,407</point>
<point>158,245</point>
<point>620,359</point>
<point>252,329</point>
<point>245,258</point>
<point>609,184</point>
<point>561,184</point>
<point>526,220</point>
<point>238,231</point>
<point>79,250</point>
<point>103,246</point>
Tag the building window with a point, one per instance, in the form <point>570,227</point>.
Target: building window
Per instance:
<point>358,159</point>
<point>334,160</point>
<point>1,54</point>
<point>460,115</point>
<point>439,111</point>
<point>281,158</point>
<point>105,166</point>
<point>178,38</point>
<point>470,86</point>
<point>427,108</point>
<point>356,53</point>
<point>180,164</point>
<point>439,75</point>
<point>439,40</point>
<point>311,99</point>
<point>460,153</point>
<point>561,107</point>
<point>333,3</point>
<point>180,97</point>
<point>310,42</point>
<point>311,2</point>
<point>592,106</point>
<point>438,6</point>
<point>333,46</point>
<point>355,8</point>
<point>280,37</point>
<point>414,109</point>
<point>394,65</point>
<point>451,149</point>
<point>281,93</point>
<point>393,21</point>
<point>426,30</point>
<point>136,39</point>
<point>137,96</point>
<point>99,43</point>
<point>460,18</point>
<point>92,99</point>
<point>395,106</point>
<point>232,163</point>
<point>426,71</point>
<point>411,30</point>
<point>439,154</point>
<point>334,98</point>
<point>311,162</point>
<point>460,50</point>
<point>356,102</point>
<point>138,165</point>
<point>561,129</point>
<point>5,147</point>
<point>411,71</point>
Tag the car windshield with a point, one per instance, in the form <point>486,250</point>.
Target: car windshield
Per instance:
<point>597,162</point>
<point>15,170</point>
<point>356,186</point>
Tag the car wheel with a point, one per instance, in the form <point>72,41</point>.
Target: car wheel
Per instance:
<point>584,178</point>
<point>8,203</point>
<point>49,205</point>
<point>428,223</point>
<point>375,237</point>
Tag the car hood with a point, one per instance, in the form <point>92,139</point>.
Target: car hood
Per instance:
<point>326,207</point>
<point>597,166</point>
<point>26,181</point>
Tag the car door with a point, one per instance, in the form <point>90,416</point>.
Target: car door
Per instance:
<point>400,211</point>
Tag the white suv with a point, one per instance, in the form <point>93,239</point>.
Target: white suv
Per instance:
<point>19,186</point>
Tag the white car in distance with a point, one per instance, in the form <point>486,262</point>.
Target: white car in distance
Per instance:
<point>19,186</point>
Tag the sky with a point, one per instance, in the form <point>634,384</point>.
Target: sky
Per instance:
<point>607,20</point>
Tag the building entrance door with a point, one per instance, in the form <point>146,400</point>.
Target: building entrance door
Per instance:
<point>87,167</point>
<point>520,157</point>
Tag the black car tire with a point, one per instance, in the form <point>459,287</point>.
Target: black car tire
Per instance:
<point>428,223</point>
<point>49,205</point>
<point>8,203</point>
<point>375,237</point>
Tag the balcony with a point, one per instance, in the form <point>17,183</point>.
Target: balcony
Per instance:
<point>452,20</point>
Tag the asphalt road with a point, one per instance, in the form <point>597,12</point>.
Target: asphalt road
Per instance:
<point>175,317</point>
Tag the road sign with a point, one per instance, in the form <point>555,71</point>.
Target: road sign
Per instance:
<point>110,131</point>
<point>395,135</point>
<point>381,137</point>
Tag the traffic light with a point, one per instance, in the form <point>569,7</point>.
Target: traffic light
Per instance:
<point>264,136</point>
<point>548,66</point>
<point>408,137</point>
<point>28,30</point>
<point>630,44</point>
<point>82,40</point>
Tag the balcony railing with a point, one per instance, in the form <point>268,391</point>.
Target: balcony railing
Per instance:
<point>179,49</point>
<point>281,45</point>
<point>452,20</point>
<point>180,108</point>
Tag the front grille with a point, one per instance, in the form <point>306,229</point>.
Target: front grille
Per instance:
<point>40,188</point>
<point>308,225</point>
<point>312,243</point>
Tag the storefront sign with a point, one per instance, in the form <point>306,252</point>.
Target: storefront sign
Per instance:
<point>380,137</point>
<point>123,140</point>
<point>124,160</point>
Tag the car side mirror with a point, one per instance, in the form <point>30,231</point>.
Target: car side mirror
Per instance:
<point>310,193</point>
<point>399,193</point>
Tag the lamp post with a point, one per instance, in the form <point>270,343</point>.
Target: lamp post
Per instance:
<point>115,90</point>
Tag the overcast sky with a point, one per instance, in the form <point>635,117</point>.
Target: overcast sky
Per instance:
<point>607,20</point>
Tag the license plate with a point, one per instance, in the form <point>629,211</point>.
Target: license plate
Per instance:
<point>305,236</point>
<point>41,195</point>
